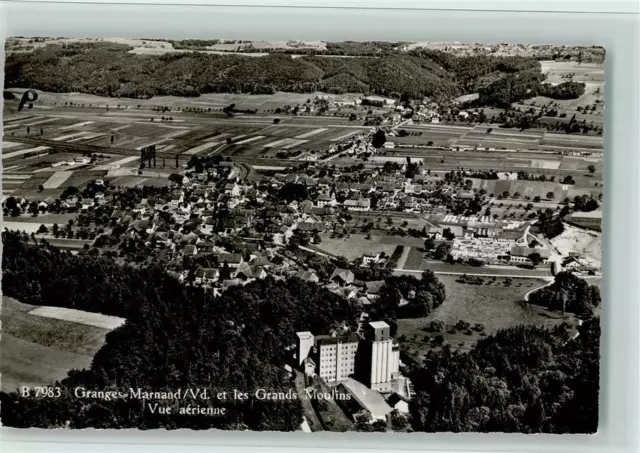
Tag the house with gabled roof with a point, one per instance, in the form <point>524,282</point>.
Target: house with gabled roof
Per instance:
<point>307,276</point>
<point>233,260</point>
<point>342,276</point>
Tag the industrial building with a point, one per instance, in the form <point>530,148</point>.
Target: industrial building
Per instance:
<point>374,358</point>
<point>331,358</point>
<point>379,360</point>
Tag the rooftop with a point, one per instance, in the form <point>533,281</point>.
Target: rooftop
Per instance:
<point>368,399</point>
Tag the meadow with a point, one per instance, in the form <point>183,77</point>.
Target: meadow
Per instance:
<point>37,350</point>
<point>498,303</point>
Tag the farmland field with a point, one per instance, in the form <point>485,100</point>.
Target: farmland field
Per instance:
<point>469,136</point>
<point>495,304</point>
<point>414,260</point>
<point>38,350</point>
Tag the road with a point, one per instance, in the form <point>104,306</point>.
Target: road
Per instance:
<point>505,275</point>
<point>440,267</point>
<point>549,283</point>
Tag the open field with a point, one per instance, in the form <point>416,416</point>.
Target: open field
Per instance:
<point>37,350</point>
<point>414,260</point>
<point>79,317</point>
<point>494,304</point>
<point>47,219</point>
<point>355,246</point>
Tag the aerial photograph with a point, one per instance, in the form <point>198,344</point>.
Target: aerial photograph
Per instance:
<point>230,234</point>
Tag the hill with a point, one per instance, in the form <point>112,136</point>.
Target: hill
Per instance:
<point>110,69</point>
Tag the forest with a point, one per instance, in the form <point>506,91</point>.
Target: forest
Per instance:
<point>524,85</point>
<point>525,379</point>
<point>108,69</point>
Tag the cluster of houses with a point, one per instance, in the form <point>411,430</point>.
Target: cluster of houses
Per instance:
<point>393,193</point>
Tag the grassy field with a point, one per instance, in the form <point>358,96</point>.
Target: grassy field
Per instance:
<point>414,260</point>
<point>60,219</point>
<point>355,246</point>
<point>494,304</point>
<point>37,350</point>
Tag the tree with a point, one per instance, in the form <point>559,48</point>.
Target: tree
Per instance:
<point>40,188</point>
<point>550,195</point>
<point>292,191</point>
<point>399,422</point>
<point>591,168</point>
<point>379,138</point>
<point>276,121</point>
<point>448,234</point>
<point>442,251</point>
<point>535,258</point>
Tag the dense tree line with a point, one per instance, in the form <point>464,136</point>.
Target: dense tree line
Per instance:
<point>550,224</point>
<point>568,293</point>
<point>175,337</point>
<point>524,379</point>
<point>524,85</point>
<point>108,69</point>
<point>477,71</point>
<point>565,90</point>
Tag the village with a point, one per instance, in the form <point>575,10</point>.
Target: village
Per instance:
<point>366,197</point>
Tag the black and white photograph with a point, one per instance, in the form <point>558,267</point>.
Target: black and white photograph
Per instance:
<point>296,235</point>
